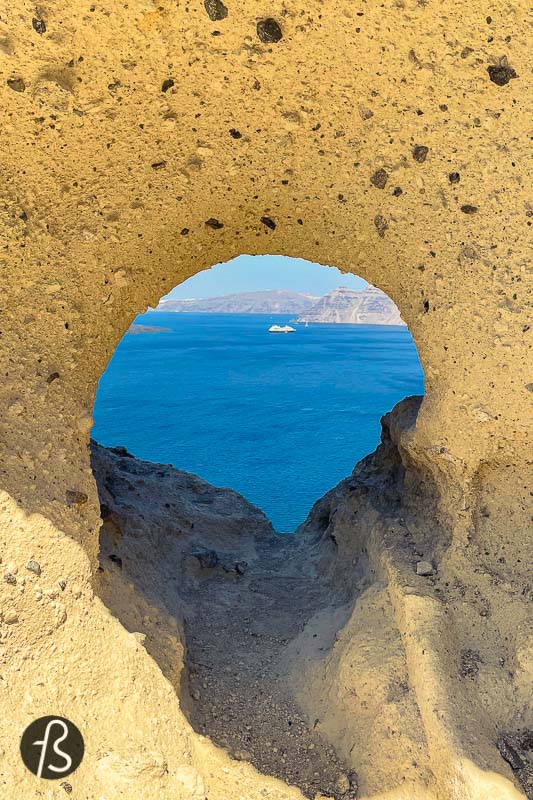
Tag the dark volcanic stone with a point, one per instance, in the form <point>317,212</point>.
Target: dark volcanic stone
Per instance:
<point>268,30</point>
<point>38,25</point>
<point>501,74</point>
<point>420,152</point>
<point>208,559</point>
<point>469,666</point>
<point>75,498</point>
<point>381,225</point>
<point>468,209</point>
<point>269,223</point>
<point>454,177</point>
<point>215,9</point>
<point>214,223</point>
<point>397,191</point>
<point>379,179</point>
<point>17,84</point>
<point>168,84</point>
<point>235,134</point>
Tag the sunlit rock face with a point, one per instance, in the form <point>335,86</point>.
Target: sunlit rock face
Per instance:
<point>349,307</point>
<point>141,144</point>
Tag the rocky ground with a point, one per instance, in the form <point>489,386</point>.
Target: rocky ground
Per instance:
<point>236,679</point>
<point>240,593</point>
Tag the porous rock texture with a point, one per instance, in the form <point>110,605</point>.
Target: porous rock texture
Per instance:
<point>142,142</point>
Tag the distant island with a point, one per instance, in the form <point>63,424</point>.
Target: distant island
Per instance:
<point>369,306</point>
<point>277,301</point>
<point>136,328</point>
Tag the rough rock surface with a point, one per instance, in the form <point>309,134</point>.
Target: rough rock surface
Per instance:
<point>123,173</point>
<point>369,306</point>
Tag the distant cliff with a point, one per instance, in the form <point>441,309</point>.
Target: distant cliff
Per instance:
<point>278,301</point>
<point>370,306</point>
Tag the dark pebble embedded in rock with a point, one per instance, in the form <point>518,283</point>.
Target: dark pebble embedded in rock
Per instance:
<point>379,179</point>
<point>269,31</point>
<point>17,84</point>
<point>381,224</point>
<point>469,666</point>
<point>454,177</point>
<point>34,567</point>
<point>75,498</point>
<point>116,560</point>
<point>214,223</point>
<point>38,25</point>
<point>216,10</point>
<point>208,559</point>
<point>420,152</point>
<point>269,223</point>
<point>159,164</point>
<point>235,134</point>
<point>168,84</point>
<point>184,231</point>
<point>10,578</point>
<point>397,191</point>
<point>501,74</point>
<point>52,377</point>
<point>468,209</point>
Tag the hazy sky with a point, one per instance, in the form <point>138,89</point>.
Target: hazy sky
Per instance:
<point>254,273</point>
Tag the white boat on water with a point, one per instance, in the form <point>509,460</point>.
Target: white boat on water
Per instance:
<point>281,329</point>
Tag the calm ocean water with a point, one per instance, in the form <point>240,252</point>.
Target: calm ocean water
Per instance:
<point>280,418</point>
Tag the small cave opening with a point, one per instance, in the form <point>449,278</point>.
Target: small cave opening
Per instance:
<point>268,375</point>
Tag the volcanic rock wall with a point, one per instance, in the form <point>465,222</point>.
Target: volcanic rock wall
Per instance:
<point>143,142</point>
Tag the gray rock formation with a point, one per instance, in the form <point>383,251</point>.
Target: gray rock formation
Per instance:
<point>193,523</point>
<point>370,306</point>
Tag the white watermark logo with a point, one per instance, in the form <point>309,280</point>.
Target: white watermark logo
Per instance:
<point>40,747</point>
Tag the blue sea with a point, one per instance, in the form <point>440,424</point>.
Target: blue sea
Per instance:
<point>281,418</point>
